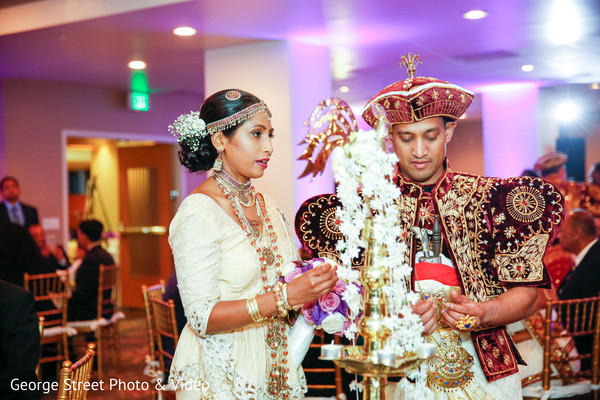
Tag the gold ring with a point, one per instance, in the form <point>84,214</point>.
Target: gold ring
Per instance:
<point>466,323</point>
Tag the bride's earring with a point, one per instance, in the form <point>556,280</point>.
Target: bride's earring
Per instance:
<point>218,165</point>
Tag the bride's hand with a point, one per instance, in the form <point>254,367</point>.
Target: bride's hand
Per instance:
<point>312,284</point>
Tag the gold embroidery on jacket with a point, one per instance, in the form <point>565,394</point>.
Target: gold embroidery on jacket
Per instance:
<point>525,204</point>
<point>524,265</point>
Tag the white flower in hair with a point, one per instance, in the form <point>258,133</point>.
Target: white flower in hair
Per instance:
<point>190,128</point>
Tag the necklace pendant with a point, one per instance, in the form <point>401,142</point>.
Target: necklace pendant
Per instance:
<point>268,255</point>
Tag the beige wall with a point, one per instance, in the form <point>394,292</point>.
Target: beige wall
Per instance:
<point>465,150</point>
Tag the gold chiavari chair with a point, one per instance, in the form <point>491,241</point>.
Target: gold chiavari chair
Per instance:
<point>50,292</point>
<point>165,326</point>
<point>152,292</point>
<point>580,319</point>
<point>41,328</point>
<point>74,381</point>
<point>152,363</point>
<point>328,369</point>
<point>106,325</point>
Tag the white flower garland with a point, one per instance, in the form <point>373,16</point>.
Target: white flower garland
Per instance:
<point>366,165</point>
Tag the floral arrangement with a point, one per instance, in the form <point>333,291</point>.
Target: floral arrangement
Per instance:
<point>338,311</point>
<point>189,128</point>
<point>365,164</point>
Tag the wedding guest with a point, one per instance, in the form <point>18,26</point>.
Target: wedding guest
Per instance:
<point>552,168</point>
<point>11,209</point>
<point>19,342</point>
<point>578,235</point>
<point>55,255</point>
<point>229,244</point>
<point>19,254</point>
<point>83,302</point>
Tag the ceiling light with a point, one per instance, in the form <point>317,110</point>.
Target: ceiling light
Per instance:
<point>344,89</point>
<point>567,112</point>
<point>137,64</point>
<point>527,68</point>
<point>475,14</point>
<point>565,22</point>
<point>184,31</point>
<point>595,86</point>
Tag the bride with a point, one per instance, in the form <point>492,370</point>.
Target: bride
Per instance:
<point>229,244</point>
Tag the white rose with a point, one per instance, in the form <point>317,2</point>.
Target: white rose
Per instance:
<point>353,298</point>
<point>333,323</point>
<point>287,268</point>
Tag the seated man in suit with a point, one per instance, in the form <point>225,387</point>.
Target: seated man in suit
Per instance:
<point>55,256</point>
<point>11,209</point>
<point>578,235</point>
<point>83,302</point>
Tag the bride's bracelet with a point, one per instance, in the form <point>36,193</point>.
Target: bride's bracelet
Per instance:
<point>252,308</point>
<point>281,310</point>
<point>284,297</point>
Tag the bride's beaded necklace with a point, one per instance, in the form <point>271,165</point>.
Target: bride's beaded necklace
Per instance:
<point>244,192</point>
<point>276,337</point>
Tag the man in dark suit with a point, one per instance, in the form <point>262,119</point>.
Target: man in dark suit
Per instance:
<point>83,302</point>
<point>578,235</point>
<point>11,209</point>
<point>19,343</point>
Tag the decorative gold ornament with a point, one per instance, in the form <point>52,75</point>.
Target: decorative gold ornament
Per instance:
<point>410,62</point>
<point>329,126</point>
<point>466,323</point>
<point>451,366</point>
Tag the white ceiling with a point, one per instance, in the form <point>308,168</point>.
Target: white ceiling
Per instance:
<point>91,41</point>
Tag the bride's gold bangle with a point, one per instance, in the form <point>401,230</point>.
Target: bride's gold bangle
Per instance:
<point>253,310</point>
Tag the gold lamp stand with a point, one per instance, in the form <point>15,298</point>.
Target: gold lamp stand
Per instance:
<point>372,360</point>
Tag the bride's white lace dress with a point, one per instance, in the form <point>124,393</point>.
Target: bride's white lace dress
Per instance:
<point>215,261</point>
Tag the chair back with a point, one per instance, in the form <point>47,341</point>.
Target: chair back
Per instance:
<point>152,292</point>
<point>580,319</point>
<point>108,286</point>
<point>50,292</point>
<point>75,378</point>
<point>165,327</point>
<point>41,328</point>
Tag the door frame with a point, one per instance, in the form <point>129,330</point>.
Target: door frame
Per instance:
<point>180,182</point>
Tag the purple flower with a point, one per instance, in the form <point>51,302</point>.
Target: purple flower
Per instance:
<point>329,302</point>
<point>318,315</point>
<point>342,308</point>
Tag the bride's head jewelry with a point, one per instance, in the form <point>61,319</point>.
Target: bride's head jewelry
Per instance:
<point>191,128</point>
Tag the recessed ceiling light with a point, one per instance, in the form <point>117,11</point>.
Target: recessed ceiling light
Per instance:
<point>344,89</point>
<point>595,86</point>
<point>527,68</point>
<point>137,64</point>
<point>475,14</point>
<point>184,31</point>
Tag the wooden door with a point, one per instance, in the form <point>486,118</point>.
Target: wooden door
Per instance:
<point>146,209</point>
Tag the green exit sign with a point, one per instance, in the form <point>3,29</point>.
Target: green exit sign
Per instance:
<point>139,101</point>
